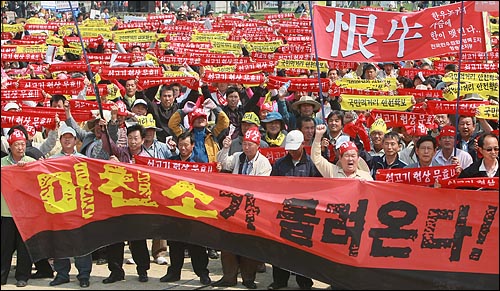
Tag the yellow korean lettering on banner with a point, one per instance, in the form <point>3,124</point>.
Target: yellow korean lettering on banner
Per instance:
<point>483,89</point>
<point>137,37</point>
<point>33,20</point>
<point>75,44</point>
<point>96,33</point>
<point>302,64</point>
<point>95,28</point>
<point>12,27</point>
<point>94,22</point>
<point>163,45</point>
<point>487,112</point>
<point>54,40</point>
<point>169,74</point>
<point>206,37</point>
<point>77,50</point>
<point>264,47</point>
<point>452,77</point>
<point>226,45</point>
<point>223,69</point>
<point>27,49</point>
<point>389,84</point>
<point>125,31</point>
<point>225,51</point>
<point>362,102</point>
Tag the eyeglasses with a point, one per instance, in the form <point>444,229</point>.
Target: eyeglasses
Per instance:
<point>492,149</point>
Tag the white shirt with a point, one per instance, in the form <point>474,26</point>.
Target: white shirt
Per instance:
<point>493,171</point>
<point>464,158</point>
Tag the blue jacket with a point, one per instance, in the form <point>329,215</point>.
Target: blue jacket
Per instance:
<point>285,167</point>
<point>381,163</point>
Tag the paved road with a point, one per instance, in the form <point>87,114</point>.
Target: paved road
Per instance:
<point>189,280</point>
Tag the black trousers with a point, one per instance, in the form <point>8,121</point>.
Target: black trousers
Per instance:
<point>11,241</point>
<point>140,254</point>
<point>44,267</point>
<point>199,258</point>
<point>281,277</point>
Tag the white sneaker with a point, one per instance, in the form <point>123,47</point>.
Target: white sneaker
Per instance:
<point>130,261</point>
<point>161,261</point>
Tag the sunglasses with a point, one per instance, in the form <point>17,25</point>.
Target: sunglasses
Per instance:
<point>492,149</point>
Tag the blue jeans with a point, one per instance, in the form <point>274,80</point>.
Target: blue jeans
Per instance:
<point>83,264</point>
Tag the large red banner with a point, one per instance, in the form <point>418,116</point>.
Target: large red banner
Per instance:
<point>338,229</point>
<point>380,36</point>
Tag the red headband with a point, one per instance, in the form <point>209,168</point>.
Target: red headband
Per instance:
<point>16,135</point>
<point>347,146</point>
<point>252,135</point>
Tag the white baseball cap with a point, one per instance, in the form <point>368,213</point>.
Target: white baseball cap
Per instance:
<point>293,140</point>
<point>11,105</point>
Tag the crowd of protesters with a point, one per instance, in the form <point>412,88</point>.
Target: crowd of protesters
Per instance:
<point>228,123</point>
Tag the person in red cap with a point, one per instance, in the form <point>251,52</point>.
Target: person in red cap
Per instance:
<point>348,162</point>
<point>247,162</point>
<point>265,108</point>
<point>11,239</point>
<point>206,140</point>
<point>447,154</point>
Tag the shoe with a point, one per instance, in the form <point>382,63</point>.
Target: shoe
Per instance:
<point>101,262</point>
<point>113,278</point>
<point>186,254</point>
<point>58,281</point>
<point>84,283</point>
<point>170,278</point>
<point>222,283</point>
<point>39,275</point>
<point>161,261</point>
<point>212,254</point>
<point>250,284</point>
<point>276,286</point>
<point>21,283</point>
<point>205,280</point>
<point>143,278</point>
<point>130,261</point>
<point>261,268</point>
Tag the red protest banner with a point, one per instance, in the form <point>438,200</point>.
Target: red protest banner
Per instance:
<point>275,153</point>
<point>130,72</point>
<point>479,182</point>
<point>54,86</point>
<point>397,118</point>
<point>380,36</point>
<point>242,78</point>
<point>176,165</point>
<point>339,229</point>
<point>22,95</point>
<point>425,176</point>
<point>467,108</point>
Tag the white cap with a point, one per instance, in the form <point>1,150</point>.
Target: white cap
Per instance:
<point>67,129</point>
<point>293,140</point>
<point>11,105</point>
<point>140,101</point>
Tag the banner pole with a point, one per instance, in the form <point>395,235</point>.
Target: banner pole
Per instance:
<point>317,63</point>
<point>89,70</point>
<point>458,78</point>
